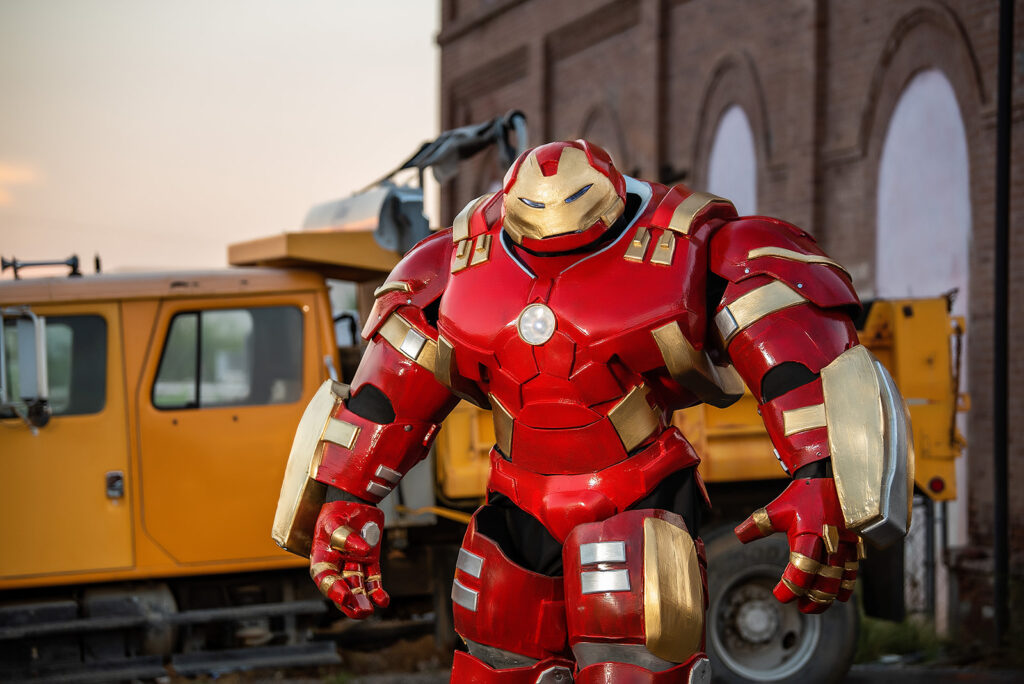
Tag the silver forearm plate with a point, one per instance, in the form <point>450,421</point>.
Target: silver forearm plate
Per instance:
<point>872,446</point>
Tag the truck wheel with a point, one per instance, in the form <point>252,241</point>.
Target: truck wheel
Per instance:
<point>751,637</point>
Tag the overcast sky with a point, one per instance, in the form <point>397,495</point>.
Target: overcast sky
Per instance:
<point>157,132</point>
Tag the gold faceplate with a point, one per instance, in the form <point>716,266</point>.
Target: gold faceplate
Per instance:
<point>555,216</point>
<point>755,305</point>
<point>870,440</point>
<point>301,496</point>
<point>783,253</point>
<point>673,592</point>
<point>719,386</point>
<point>633,418</point>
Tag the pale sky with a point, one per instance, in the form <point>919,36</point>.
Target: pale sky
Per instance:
<point>157,132</point>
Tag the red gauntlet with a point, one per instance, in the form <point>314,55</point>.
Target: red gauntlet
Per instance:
<point>823,553</point>
<point>345,557</point>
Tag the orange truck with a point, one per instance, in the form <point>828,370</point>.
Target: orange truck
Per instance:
<point>145,421</point>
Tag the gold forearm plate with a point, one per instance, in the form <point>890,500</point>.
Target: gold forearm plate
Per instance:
<point>872,446</point>
<point>673,592</point>
<point>301,495</point>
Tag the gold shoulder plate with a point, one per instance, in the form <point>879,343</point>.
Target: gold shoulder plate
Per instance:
<point>460,226</point>
<point>301,496</point>
<point>692,207</point>
<point>872,446</point>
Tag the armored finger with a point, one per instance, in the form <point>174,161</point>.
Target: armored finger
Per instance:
<point>758,525</point>
<point>375,588</point>
<point>344,540</point>
<point>848,582</point>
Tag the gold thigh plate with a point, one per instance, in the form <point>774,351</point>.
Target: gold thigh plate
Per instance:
<point>301,496</point>
<point>673,592</point>
<point>872,446</point>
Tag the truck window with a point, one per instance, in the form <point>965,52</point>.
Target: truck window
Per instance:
<point>231,357</point>
<point>76,358</point>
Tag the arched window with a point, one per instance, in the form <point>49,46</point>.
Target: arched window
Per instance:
<point>924,206</point>
<point>732,164</point>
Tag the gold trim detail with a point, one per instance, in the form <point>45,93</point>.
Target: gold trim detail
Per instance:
<point>481,250</point>
<point>755,305</point>
<point>503,425</point>
<point>862,550</point>
<point>819,596</point>
<point>804,563</point>
<point>830,535</point>
<point>803,419</point>
<point>849,585</point>
<point>782,253</point>
<point>665,249</point>
<point>395,330</point>
<point>327,582</point>
<point>793,587</point>
<point>356,591</point>
<point>763,522</point>
<point>460,226</point>
<point>341,432</point>
<point>719,386</point>
<point>638,245</point>
<point>633,418</point>
<point>463,250</point>
<point>831,572</point>
<point>352,573</point>
<point>690,208</point>
<point>339,537</point>
<point>673,593</point>
<point>852,565</point>
<point>443,363</point>
<point>373,578</point>
<point>392,286</point>
<point>317,568</point>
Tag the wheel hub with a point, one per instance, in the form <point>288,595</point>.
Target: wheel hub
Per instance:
<point>757,621</point>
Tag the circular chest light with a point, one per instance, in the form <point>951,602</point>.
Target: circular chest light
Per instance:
<point>536,324</point>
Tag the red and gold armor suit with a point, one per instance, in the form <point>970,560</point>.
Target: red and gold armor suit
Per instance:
<point>582,308</point>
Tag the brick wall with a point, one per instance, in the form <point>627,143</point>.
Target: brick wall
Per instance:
<point>818,80</point>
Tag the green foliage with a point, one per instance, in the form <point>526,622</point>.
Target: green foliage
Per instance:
<point>883,637</point>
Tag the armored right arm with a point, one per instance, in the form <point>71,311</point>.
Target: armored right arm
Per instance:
<point>363,439</point>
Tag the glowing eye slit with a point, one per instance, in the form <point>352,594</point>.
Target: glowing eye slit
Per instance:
<point>530,203</point>
<point>579,193</point>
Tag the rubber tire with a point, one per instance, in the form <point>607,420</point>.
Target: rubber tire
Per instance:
<point>732,565</point>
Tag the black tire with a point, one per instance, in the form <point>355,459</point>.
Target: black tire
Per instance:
<point>751,637</point>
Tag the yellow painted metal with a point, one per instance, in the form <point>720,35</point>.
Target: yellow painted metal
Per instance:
<point>463,445</point>
<point>210,477</point>
<point>55,517</point>
<point>200,485</point>
<point>348,256</point>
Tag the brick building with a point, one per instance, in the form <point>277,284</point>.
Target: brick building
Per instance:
<point>819,85</point>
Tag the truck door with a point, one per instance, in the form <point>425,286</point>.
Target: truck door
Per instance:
<point>64,506</point>
<point>224,387</point>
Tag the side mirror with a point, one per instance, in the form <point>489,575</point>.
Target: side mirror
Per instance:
<point>24,381</point>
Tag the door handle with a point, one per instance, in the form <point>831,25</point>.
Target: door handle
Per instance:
<point>115,484</point>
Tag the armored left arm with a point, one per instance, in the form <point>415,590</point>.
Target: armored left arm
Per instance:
<point>782,315</point>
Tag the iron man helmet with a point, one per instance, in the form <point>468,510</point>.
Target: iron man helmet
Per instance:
<point>562,196</point>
